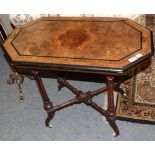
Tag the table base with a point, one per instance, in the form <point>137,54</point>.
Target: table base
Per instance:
<point>81,97</point>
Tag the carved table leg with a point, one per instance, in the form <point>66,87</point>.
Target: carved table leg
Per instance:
<point>48,105</point>
<point>111,108</point>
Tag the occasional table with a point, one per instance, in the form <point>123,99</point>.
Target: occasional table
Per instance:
<point>94,45</point>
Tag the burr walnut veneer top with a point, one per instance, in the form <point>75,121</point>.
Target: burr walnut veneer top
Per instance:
<point>80,41</point>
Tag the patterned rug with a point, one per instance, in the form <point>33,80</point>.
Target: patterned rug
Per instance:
<point>139,103</point>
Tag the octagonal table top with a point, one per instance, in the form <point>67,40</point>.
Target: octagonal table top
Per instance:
<point>108,44</point>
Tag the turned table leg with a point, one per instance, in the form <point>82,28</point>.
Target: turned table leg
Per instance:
<point>48,105</point>
<point>111,107</point>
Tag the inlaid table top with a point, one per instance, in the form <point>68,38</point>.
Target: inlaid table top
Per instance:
<point>113,44</point>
